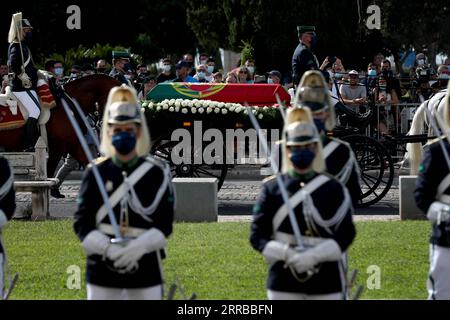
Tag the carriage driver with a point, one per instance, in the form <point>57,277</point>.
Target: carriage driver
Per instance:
<point>24,83</point>
<point>432,195</point>
<point>326,226</point>
<point>141,196</point>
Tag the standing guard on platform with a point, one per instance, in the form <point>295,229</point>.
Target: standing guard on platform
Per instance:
<point>7,207</point>
<point>141,195</point>
<point>24,82</point>
<point>327,229</point>
<point>432,195</point>
<point>303,58</point>
<point>339,157</point>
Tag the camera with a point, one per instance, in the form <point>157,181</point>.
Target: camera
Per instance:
<point>331,59</point>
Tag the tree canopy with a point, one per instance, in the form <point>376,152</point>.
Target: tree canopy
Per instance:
<point>157,28</point>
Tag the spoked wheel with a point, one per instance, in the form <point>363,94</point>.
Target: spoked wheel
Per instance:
<point>162,150</point>
<point>376,168</point>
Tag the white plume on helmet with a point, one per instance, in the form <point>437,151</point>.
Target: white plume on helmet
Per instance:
<point>313,92</point>
<point>299,129</point>
<point>15,33</point>
<point>123,107</point>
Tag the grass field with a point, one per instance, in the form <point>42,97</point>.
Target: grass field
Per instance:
<point>216,261</point>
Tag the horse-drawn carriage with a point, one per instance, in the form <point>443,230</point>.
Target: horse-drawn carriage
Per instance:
<point>174,106</point>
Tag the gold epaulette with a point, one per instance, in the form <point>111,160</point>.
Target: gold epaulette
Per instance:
<point>269,178</point>
<point>98,161</point>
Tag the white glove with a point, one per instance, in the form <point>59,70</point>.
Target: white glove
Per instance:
<point>326,251</point>
<point>96,242</point>
<point>438,212</point>
<point>128,256</point>
<point>26,81</point>
<point>3,219</point>
<point>277,251</point>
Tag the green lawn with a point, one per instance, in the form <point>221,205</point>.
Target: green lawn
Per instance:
<point>216,261</point>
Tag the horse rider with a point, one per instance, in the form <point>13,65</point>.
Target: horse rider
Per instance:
<point>340,160</point>
<point>7,207</point>
<point>121,65</point>
<point>24,83</point>
<point>303,58</point>
<point>142,199</point>
<point>432,196</point>
<point>327,227</point>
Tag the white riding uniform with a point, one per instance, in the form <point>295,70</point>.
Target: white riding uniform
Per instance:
<point>95,292</point>
<point>28,102</point>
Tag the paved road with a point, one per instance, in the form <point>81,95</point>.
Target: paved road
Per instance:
<point>236,198</point>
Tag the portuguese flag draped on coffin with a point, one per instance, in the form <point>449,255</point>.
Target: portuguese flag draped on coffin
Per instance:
<point>253,94</point>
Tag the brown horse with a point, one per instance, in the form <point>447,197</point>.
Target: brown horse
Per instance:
<point>88,91</point>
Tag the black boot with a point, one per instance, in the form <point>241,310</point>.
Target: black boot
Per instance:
<point>54,192</point>
<point>31,134</point>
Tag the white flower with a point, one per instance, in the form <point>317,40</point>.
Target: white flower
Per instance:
<point>201,110</point>
<point>254,111</point>
<point>216,110</point>
<point>205,103</point>
<point>232,108</point>
<point>221,104</point>
<point>184,110</point>
<point>198,104</point>
<point>238,109</point>
<point>193,110</point>
<point>158,108</point>
<point>190,104</point>
<point>260,116</point>
<point>266,108</point>
<point>144,104</point>
<point>184,103</point>
<point>209,110</point>
<point>177,109</point>
<point>177,104</point>
<point>245,111</point>
<point>171,101</point>
<point>151,105</point>
<point>171,109</point>
<point>224,111</point>
<point>165,106</point>
<point>214,104</point>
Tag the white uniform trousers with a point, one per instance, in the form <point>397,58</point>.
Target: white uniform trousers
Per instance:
<point>279,295</point>
<point>95,292</point>
<point>25,99</point>
<point>438,283</point>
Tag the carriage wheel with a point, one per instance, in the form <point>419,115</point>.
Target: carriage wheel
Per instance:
<point>162,149</point>
<point>376,168</point>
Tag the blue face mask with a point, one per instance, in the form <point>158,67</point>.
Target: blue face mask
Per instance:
<point>372,73</point>
<point>28,36</point>
<point>270,81</point>
<point>338,75</point>
<point>124,142</point>
<point>59,71</point>
<point>210,69</point>
<point>320,125</point>
<point>314,41</point>
<point>201,75</point>
<point>302,158</point>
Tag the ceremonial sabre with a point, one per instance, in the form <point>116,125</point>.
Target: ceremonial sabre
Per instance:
<point>88,126</point>
<point>284,194</point>
<point>98,179</point>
